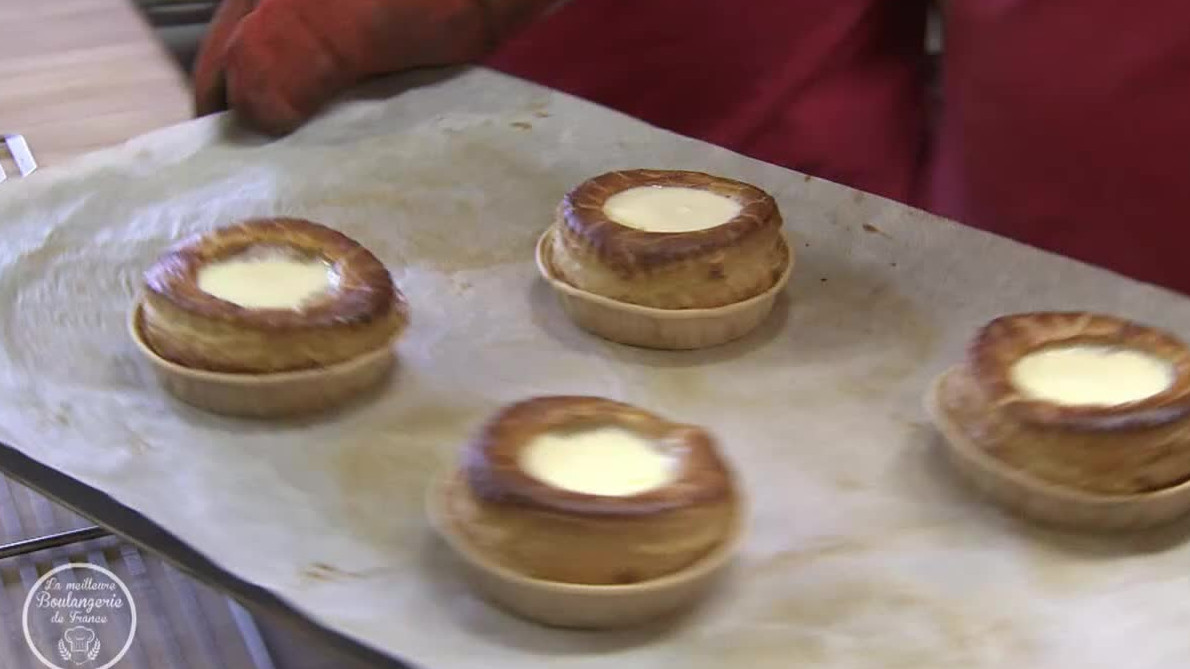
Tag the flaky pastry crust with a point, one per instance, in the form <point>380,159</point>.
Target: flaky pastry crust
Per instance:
<point>1126,449</point>
<point>559,535</point>
<point>190,327</point>
<point>682,270</point>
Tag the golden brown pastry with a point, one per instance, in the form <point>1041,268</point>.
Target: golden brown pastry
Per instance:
<point>587,490</point>
<point>668,239</point>
<point>269,295</point>
<point>1088,401</point>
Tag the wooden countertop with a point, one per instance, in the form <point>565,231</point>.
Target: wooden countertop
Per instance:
<point>79,75</point>
<point>76,76</point>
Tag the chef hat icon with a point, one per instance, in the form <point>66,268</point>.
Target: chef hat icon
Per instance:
<point>79,638</point>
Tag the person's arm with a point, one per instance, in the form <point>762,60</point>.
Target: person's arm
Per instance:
<point>277,62</point>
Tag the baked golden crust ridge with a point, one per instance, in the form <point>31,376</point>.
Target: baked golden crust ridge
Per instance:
<point>491,464</point>
<point>1005,340</point>
<point>186,325</point>
<point>669,270</point>
<point>544,532</point>
<point>1124,449</point>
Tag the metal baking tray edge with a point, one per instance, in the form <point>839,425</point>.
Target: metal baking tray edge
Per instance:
<point>98,507</point>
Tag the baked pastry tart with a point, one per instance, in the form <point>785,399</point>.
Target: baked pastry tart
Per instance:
<point>1085,401</point>
<point>268,296</point>
<point>684,250</point>
<point>669,240</point>
<point>588,491</point>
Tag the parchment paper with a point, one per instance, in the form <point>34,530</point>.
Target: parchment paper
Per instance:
<point>863,551</point>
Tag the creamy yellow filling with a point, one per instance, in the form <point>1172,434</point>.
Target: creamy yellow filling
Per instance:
<point>1081,375</point>
<point>270,282</point>
<point>608,461</point>
<point>670,209</point>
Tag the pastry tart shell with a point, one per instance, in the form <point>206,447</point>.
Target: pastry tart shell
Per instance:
<point>275,395</point>
<point>694,269</point>
<point>192,328</point>
<point>1045,502</point>
<point>1127,448</point>
<point>572,605</point>
<point>552,534</point>
<point>1003,341</point>
<point>650,327</point>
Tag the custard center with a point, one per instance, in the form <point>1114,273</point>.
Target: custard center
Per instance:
<point>670,209</point>
<point>1086,375</point>
<point>267,281</point>
<point>609,461</point>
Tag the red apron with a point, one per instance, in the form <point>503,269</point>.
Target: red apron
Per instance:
<point>828,87</point>
<point>1068,127</point>
<point>1064,125</point>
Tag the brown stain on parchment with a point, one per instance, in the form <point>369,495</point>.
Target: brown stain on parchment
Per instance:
<point>466,237</point>
<point>61,415</point>
<point>436,227</point>
<point>833,547</point>
<point>383,475</point>
<point>805,626</point>
<point>680,386</point>
<point>485,237</point>
<point>67,306</point>
<point>848,483</point>
<point>1071,562</point>
<point>868,227</point>
<point>828,324</point>
<point>328,573</point>
<point>851,313</point>
<point>393,197</point>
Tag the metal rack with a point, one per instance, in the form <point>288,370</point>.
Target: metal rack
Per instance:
<point>190,626</point>
<point>179,24</point>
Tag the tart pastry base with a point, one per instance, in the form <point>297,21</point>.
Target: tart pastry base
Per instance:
<point>266,395</point>
<point>648,327</point>
<point>1046,502</point>
<point>572,605</point>
<point>1115,449</point>
<point>553,533</point>
<point>700,268</point>
<point>188,326</point>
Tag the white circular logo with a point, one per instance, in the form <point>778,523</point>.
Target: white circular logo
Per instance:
<point>79,615</point>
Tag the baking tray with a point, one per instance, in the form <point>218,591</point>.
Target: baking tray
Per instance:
<point>862,550</point>
<point>134,527</point>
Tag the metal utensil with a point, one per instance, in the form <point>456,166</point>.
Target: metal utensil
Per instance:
<point>251,643</point>
<point>18,148</point>
<point>22,157</point>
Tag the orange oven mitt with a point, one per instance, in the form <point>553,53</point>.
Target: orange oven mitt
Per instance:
<point>277,62</point>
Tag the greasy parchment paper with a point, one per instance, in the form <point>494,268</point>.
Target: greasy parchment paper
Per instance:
<point>863,551</point>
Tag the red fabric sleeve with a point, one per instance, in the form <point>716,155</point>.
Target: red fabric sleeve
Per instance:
<point>830,87</point>
<point>1067,126</point>
<point>1064,123</point>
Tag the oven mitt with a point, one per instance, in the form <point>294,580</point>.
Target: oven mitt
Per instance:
<point>210,94</point>
<point>277,62</point>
